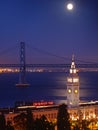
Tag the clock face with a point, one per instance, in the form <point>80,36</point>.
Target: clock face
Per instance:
<point>75,91</point>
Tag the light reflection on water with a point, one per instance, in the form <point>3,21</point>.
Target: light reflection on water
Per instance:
<point>45,86</point>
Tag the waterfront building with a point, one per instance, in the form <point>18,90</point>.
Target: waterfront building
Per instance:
<point>72,86</point>
<point>85,111</point>
<point>49,109</point>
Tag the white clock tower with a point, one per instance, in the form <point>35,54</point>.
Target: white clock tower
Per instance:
<point>73,86</point>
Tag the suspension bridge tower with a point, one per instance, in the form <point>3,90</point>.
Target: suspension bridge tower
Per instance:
<point>73,86</point>
<point>22,73</point>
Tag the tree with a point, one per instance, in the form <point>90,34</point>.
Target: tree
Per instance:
<point>85,124</point>
<point>40,124</point>
<point>76,127</point>
<point>9,126</point>
<point>63,122</point>
<point>2,122</point>
<point>43,124</point>
<point>30,120</point>
<point>20,122</point>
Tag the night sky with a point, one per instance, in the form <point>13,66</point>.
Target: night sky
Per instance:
<point>48,26</point>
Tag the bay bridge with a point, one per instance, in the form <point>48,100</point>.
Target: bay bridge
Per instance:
<point>23,65</point>
<point>92,65</point>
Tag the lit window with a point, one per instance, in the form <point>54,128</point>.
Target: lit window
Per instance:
<point>75,80</point>
<point>69,79</point>
<point>73,63</point>
<point>74,71</point>
<point>70,103</point>
<point>70,70</point>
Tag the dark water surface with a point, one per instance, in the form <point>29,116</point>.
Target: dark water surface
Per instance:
<point>45,86</point>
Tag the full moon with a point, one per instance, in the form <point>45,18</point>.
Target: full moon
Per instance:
<point>69,6</point>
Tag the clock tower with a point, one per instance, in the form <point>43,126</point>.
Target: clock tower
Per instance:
<point>73,86</point>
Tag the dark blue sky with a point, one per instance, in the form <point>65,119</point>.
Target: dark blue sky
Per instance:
<point>47,25</point>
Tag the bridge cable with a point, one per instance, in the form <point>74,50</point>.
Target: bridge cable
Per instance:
<point>60,57</point>
<point>10,49</point>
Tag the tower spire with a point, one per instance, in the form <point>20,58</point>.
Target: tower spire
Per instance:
<point>73,68</point>
<point>73,57</point>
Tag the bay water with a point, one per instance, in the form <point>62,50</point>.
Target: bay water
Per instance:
<point>47,86</point>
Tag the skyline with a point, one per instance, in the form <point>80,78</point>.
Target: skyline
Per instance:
<point>49,26</point>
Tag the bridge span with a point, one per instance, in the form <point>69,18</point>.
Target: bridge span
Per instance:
<point>23,66</point>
